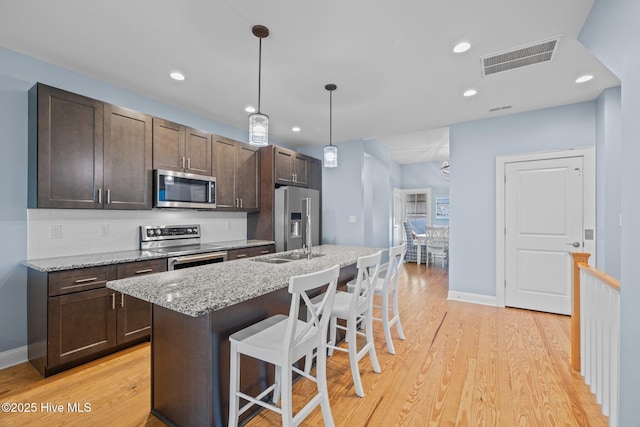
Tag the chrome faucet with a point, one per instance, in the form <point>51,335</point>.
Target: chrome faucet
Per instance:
<point>306,214</point>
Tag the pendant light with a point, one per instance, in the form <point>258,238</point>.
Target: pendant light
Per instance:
<point>258,122</point>
<point>330,151</point>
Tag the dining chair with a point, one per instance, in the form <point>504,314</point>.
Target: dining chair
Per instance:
<point>412,246</point>
<point>438,244</point>
<point>282,340</point>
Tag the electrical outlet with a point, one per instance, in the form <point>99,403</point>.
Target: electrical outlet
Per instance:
<point>352,218</point>
<point>55,231</point>
<point>104,230</point>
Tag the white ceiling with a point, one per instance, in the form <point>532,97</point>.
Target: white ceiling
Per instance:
<point>398,79</point>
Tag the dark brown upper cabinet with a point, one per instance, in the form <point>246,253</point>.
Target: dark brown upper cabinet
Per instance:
<point>127,159</point>
<point>235,166</point>
<point>86,154</point>
<point>180,148</point>
<point>291,168</point>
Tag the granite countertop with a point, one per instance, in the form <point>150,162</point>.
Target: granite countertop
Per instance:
<point>108,258</point>
<point>198,290</point>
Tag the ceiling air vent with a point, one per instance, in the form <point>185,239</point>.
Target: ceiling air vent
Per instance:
<point>520,57</point>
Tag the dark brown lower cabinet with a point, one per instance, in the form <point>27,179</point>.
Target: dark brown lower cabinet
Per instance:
<point>74,318</point>
<point>133,318</point>
<point>80,324</point>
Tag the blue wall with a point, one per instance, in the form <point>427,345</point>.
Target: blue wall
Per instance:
<point>608,179</point>
<point>474,147</point>
<point>13,213</point>
<point>360,186</point>
<point>611,33</point>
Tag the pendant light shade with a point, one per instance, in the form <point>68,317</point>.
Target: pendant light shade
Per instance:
<point>258,122</point>
<point>330,158</point>
<point>259,129</point>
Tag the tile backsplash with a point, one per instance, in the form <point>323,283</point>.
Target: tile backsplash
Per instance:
<point>63,232</point>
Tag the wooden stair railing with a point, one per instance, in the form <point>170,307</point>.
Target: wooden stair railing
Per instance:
<point>595,333</point>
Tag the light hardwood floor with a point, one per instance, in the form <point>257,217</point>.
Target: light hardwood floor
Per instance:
<point>461,365</point>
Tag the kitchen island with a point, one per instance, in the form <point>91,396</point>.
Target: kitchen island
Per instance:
<point>194,312</point>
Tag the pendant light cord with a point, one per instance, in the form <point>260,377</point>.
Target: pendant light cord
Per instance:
<point>330,117</point>
<point>259,71</point>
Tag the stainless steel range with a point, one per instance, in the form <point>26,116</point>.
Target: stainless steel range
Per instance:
<point>181,243</point>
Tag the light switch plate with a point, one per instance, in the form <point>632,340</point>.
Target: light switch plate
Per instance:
<point>588,234</point>
<point>352,218</point>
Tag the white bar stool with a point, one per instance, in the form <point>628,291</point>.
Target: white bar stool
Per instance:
<point>281,341</point>
<point>387,288</point>
<point>356,309</point>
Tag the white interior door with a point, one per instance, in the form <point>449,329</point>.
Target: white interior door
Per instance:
<point>543,224</point>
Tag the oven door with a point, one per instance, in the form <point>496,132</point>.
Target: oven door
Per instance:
<point>176,263</point>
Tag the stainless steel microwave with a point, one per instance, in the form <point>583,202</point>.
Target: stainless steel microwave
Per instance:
<point>183,190</point>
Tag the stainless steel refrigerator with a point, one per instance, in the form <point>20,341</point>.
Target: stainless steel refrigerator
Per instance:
<point>290,225</point>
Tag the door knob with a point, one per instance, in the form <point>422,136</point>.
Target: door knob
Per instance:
<point>574,244</point>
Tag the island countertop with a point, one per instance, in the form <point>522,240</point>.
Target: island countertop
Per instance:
<point>198,290</point>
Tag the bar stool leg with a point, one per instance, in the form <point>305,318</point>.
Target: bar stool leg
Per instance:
<point>234,382</point>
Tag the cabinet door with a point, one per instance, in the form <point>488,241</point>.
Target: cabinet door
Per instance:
<point>301,170</point>
<point>247,176</point>
<point>224,169</point>
<point>198,152</point>
<point>127,159</point>
<point>283,169</point>
<point>69,149</point>
<point>133,314</point>
<point>80,325</point>
<point>315,174</point>
<point>168,145</point>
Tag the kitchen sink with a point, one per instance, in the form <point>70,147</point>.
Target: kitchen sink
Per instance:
<point>274,260</point>
<point>288,257</point>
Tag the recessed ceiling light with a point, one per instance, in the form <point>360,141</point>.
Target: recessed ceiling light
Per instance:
<point>462,47</point>
<point>249,109</point>
<point>177,76</point>
<point>470,92</point>
<point>295,129</point>
<point>584,78</point>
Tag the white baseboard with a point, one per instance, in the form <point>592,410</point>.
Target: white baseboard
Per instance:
<point>13,357</point>
<point>473,298</point>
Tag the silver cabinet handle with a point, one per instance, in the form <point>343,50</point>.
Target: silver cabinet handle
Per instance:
<point>99,195</point>
<point>182,163</point>
<point>146,270</point>
<point>121,300</point>
<point>574,244</point>
<point>240,202</point>
<point>188,162</point>
<point>113,301</point>
<point>108,196</point>
<point>90,279</point>
<point>241,255</point>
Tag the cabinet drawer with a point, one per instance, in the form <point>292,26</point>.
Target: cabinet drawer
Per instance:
<point>250,252</point>
<point>262,250</point>
<point>237,254</point>
<point>138,268</point>
<point>82,279</point>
